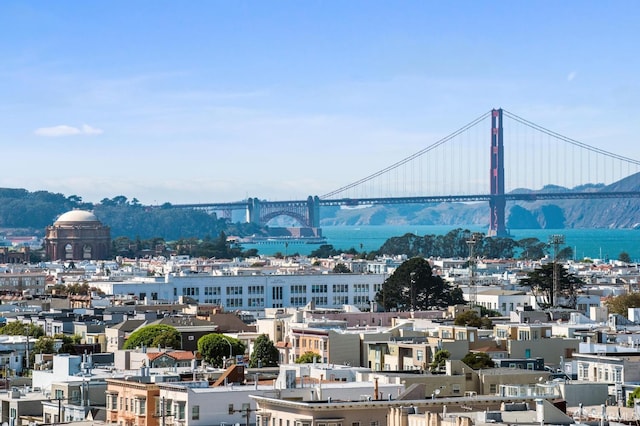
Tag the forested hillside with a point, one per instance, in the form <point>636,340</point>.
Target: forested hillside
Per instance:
<point>23,212</point>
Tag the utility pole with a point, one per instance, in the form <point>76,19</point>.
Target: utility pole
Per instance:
<point>412,275</point>
<point>246,410</point>
<point>473,290</point>
<point>162,411</point>
<point>555,240</point>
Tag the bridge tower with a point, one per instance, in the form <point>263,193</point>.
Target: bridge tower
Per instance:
<point>313,206</point>
<point>497,201</point>
<point>253,211</point>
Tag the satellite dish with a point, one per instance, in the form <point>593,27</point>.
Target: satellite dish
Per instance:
<point>5,424</point>
<point>437,392</point>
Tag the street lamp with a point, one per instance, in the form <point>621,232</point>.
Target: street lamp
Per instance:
<point>230,348</point>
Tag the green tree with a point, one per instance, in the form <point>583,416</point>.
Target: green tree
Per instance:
<point>472,319</point>
<point>341,268</point>
<point>154,335</point>
<point>485,312</point>
<point>541,282</point>
<point>439,360</point>
<point>631,399</point>
<point>478,360</point>
<point>531,248</point>
<point>44,345</point>
<point>17,328</point>
<point>413,286</point>
<point>78,289</point>
<point>324,251</point>
<point>68,343</point>
<point>264,354</point>
<point>624,257</point>
<point>215,347</point>
<point>308,358</point>
<point>621,304</point>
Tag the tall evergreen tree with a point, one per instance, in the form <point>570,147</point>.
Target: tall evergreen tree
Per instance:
<point>541,281</point>
<point>413,286</point>
<point>264,354</point>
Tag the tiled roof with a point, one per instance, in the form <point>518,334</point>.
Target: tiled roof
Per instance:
<point>177,355</point>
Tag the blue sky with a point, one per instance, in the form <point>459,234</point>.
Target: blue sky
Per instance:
<point>201,101</point>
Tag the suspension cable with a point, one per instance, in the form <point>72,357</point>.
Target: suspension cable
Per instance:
<point>409,158</point>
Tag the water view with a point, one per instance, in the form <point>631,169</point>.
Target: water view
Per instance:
<point>592,243</point>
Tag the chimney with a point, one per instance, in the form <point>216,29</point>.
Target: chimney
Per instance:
<point>375,388</point>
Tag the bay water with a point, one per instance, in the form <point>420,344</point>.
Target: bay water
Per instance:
<point>592,243</point>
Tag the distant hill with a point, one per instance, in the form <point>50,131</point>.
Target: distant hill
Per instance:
<point>556,214</point>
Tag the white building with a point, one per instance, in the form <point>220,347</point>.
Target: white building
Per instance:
<point>503,301</point>
<point>255,292</point>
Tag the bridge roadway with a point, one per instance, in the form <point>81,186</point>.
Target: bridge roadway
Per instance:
<point>298,208</point>
<point>527,196</point>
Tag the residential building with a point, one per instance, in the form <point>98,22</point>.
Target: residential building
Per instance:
<point>72,401</point>
<point>132,403</point>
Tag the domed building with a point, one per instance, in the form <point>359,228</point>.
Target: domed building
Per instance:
<point>77,235</point>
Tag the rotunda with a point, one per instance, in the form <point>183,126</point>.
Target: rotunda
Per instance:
<point>77,235</point>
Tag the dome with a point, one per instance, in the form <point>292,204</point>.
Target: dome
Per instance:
<point>77,216</point>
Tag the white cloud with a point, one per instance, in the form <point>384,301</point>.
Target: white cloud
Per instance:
<point>64,130</point>
<point>571,76</point>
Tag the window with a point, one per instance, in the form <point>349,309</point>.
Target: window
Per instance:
<point>195,412</point>
<point>298,300</point>
<point>234,290</point>
<point>319,288</point>
<point>112,401</point>
<point>276,293</point>
<point>320,300</point>
<point>298,289</point>
<point>234,302</point>
<point>419,355</point>
<point>138,406</point>
<point>340,300</point>
<point>492,388</point>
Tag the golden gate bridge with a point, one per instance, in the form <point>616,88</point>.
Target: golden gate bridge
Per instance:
<point>539,164</point>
